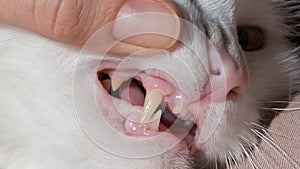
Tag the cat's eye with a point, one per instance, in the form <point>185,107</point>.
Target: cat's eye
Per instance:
<point>250,38</point>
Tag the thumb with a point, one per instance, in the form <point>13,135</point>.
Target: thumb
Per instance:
<point>74,21</point>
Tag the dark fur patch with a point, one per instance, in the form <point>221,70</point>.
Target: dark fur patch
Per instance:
<point>290,9</point>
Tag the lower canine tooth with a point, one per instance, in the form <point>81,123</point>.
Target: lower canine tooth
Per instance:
<point>152,101</point>
<point>154,126</point>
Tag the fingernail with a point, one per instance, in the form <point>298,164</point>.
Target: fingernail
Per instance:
<point>148,24</point>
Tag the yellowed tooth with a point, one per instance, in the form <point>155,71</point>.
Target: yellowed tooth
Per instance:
<point>116,81</point>
<point>154,126</point>
<point>152,101</point>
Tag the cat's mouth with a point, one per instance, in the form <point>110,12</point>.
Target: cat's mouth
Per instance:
<point>156,103</point>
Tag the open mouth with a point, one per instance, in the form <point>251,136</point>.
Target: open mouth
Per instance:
<point>155,98</point>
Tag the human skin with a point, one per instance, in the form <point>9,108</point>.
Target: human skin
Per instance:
<point>73,22</point>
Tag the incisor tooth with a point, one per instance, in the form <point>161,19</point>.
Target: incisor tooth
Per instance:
<point>154,126</point>
<point>177,108</point>
<point>152,101</point>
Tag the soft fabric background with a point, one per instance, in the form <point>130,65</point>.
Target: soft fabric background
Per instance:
<point>285,154</point>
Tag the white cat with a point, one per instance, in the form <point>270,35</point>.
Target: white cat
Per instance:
<point>53,96</point>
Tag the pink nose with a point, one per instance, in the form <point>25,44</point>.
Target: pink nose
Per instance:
<point>226,77</point>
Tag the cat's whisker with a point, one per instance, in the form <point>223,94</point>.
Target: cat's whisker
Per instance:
<point>252,124</point>
<point>250,144</point>
<point>247,156</point>
<point>255,147</point>
<point>280,109</point>
<point>265,129</point>
<point>233,159</point>
<point>271,142</point>
<point>274,141</point>
<point>216,163</point>
<point>277,101</point>
<point>229,164</point>
<point>260,153</point>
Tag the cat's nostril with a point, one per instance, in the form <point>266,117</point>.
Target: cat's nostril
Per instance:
<point>236,90</point>
<point>235,81</point>
<point>226,77</point>
<point>231,95</point>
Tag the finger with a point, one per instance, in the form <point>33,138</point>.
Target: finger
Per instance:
<point>74,21</point>
<point>150,24</point>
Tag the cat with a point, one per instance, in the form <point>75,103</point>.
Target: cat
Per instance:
<point>234,60</point>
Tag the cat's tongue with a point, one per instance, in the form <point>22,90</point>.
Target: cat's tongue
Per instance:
<point>131,92</point>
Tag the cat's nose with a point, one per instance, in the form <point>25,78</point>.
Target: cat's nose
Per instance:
<point>227,78</point>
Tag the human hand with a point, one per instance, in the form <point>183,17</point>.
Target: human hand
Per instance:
<point>74,21</point>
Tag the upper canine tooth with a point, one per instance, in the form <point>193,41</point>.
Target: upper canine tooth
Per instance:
<point>116,81</point>
<point>152,101</point>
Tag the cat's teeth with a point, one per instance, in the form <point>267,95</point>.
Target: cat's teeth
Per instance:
<point>152,101</point>
<point>177,108</point>
<point>181,111</point>
<point>116,81</point>
<point>154,126</point>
